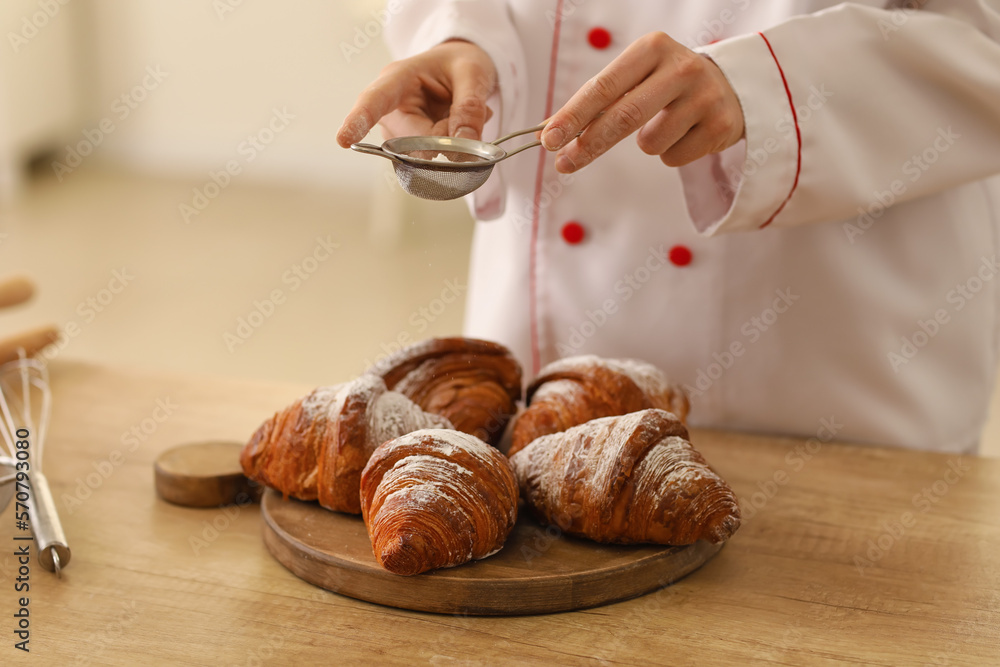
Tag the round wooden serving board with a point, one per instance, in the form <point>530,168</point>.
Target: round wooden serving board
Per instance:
<point>537,571</point>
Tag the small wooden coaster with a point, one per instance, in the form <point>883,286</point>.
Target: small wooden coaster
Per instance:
<point>204,474</point>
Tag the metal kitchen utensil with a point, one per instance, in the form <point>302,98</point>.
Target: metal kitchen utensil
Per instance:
<point>24,386</point>
<point>441,168</point>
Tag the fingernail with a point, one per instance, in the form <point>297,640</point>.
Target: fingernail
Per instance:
<point>553,139</point>
<point>564,165</point>
<point>466,132</point>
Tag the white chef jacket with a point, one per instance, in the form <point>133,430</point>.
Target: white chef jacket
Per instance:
<point>860,302</point>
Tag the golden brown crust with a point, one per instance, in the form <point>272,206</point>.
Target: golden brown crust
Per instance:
<point>475,384</point>
<point>575,390</point>
<point>348,448</point>
<point>437,498</point>
<point>282,453</point>
<point>316,448</point>
<point>627,479</point>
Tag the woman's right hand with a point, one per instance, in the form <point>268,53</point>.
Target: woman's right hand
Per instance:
<point>442,91</point>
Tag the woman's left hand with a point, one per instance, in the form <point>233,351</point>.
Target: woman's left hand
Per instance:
<point>680,101</point>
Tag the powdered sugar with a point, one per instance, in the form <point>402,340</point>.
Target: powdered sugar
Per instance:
<point>394,414</point>
<point>418,463</point>
<point>419,481</point>
<point>671,457</point>
<point>391,414</point>
<point>449,442</point>
<point>570,390</point>
<point>320,401</point>
<point>437,501</point>
<point>649,378</point>
<point>366,387</point>
<point>570,364</point>
<point>576,479</point>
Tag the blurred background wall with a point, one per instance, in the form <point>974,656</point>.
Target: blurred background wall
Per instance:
<point>226,65</point>
<point>115,115</point>
<point>192,144</point>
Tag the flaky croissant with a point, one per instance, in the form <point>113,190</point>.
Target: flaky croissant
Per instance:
<point>627,479</point>
<point>474,383</point>
<point>316,448</point>
<point>437,498</point>
<point>575,390</point>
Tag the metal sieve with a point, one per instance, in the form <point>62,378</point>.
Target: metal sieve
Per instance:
<point>441,168</point>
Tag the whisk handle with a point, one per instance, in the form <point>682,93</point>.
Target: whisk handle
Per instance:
<point>53,552</point>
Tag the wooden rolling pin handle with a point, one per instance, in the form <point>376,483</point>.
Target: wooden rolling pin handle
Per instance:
<point>15,290</point>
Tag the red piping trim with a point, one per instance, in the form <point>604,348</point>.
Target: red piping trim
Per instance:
<point>798,132</point>
<point>536,215</point>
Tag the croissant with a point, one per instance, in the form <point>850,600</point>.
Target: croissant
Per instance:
<point>475,384</point>
<point>627,479</point>
<point>317,447</point>
<point>437,498</point>
<point>575,390</point>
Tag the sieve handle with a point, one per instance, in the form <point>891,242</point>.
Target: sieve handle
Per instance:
<point>371,149</point>
<point>537,142</point>
<point>521,148</point>
<point>536,128</point>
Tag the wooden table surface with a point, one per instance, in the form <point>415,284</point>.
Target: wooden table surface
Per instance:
<point>846,554</point>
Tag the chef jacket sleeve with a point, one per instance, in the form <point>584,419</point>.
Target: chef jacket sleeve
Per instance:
<point>850,108</point>
<point>418,25</point>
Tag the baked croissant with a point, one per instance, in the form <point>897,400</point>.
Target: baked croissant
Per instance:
<point>575,390</point>
<point>437,498</point>
<point>316,448</point>
<point>627,479</point>
<point>475,384</point>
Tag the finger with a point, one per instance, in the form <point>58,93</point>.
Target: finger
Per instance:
<point>629,69</point>
<point>694,145</point>
<point>471,87</point>
<point>703,121</point>
<point>15,290</point>
<point>666,128</point>
<point>376,101</point>
<point>399,123</point>
<point>439,129</point>
<point>30,341</point>
<point>620,120</point>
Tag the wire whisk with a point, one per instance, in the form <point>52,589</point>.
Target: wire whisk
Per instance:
<point>24,390</point>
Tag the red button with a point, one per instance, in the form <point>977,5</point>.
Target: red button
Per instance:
<point>679,255</point>
<point>599,38</point>
<point>573,233</point>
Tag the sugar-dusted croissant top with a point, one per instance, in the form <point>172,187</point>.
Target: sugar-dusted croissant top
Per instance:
<point>316,448</point>
<point>474,383</point>
<point>437,498</point>
<point>575,390</point>
<point>627,479</point>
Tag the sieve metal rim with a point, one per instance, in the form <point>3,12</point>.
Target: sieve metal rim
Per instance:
<point>399,148</point>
